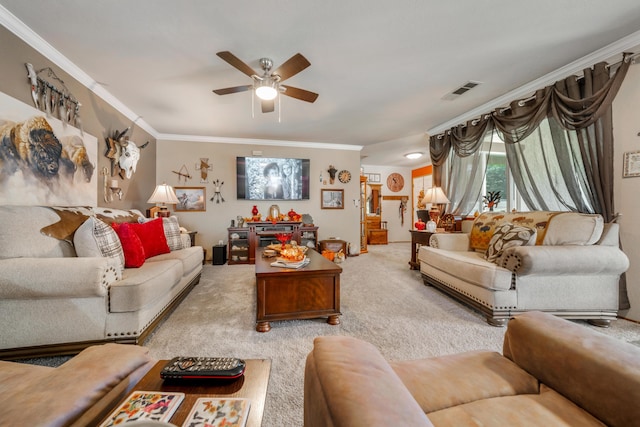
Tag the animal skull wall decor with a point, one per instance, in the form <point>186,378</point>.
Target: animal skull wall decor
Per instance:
<point>124,154</point>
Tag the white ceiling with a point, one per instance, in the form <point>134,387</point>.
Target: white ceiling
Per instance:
<point>381,68</point>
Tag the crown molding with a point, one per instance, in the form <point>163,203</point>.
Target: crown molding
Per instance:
<point>604,54</point>
<point>252,141</point>
<point>26,34</point>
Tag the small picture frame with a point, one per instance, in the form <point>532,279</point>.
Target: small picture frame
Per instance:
<point>332,198</point>
<point>631,165</point>
<point>191,199</point>
<point>374,177</point>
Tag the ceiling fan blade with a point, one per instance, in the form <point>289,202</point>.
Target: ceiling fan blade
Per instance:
<point>235,62</point>
<point>291,67</point>
<point>235,89</point>
<point>268,106</point>
<point>303,95</point>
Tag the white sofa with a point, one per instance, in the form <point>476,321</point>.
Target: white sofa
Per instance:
<point>55,302</point>
<point>569,265</point>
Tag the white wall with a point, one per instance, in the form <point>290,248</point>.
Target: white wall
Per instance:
<point>626,126</point>
<point>212,225</point>
<point>398,232</point>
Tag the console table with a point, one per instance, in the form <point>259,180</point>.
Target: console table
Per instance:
<point>243,241</point>
<point>418,238</point>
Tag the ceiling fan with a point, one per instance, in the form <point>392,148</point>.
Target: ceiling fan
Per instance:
<point>268,85</point>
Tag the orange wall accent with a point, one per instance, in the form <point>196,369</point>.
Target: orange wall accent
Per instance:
<point>426,170</point>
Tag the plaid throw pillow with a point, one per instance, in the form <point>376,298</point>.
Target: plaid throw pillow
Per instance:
<point>172,233</point>
<point>95,238</point>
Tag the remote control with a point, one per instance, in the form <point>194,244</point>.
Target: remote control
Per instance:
<point>203,367</point>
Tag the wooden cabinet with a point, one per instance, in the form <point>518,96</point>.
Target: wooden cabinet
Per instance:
<point>244,241</point>
<point>376,228</point>
<point>240,245</point>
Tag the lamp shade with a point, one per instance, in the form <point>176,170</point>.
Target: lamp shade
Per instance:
<point>435,196</point>
<point>163,194</point>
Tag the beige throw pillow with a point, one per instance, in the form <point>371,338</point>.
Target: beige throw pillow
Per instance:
<point>95,238</point>
<point>507,236</point>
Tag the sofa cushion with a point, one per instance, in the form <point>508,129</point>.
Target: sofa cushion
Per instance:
<point>571,228</point>
<point>547,408</point>
<point>132,247</point>
<point>151,234</point>
<point>142,287</point>
<point>506,236</point>
<point>191,258</point>
<point>442,382</point>
<point>95,238</point>
<point>172,233</point>
<point>469,266</point>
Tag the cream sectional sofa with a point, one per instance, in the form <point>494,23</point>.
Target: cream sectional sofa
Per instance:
<point>567,264</point>
<point>55,302</point>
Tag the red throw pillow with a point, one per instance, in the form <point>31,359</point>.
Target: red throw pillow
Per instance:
<point>131,245</point>
<point>152,236</point>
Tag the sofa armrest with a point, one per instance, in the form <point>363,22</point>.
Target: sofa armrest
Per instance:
<point>450,241</point>
<point>565,260</point>
<point>347,382</point>
<point>25,278</point>
<point>599,373</point>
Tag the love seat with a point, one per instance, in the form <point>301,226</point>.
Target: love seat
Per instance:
<point>80,392</point>
<point>552,372</point>
<point>63,285</point>
<point>564,263</point>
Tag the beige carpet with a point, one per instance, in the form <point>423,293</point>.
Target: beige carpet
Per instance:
<point>382,302</point>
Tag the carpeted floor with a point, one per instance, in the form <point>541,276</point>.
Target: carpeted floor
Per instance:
<point>382,302</point>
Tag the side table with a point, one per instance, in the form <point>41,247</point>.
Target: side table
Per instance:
<point>418,238</point>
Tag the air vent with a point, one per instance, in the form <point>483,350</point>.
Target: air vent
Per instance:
<point>462,89</point>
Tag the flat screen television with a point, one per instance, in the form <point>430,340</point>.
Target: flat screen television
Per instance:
<point>268,178</point>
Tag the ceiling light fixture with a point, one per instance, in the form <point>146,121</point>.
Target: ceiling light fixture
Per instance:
<point>266,89</point>
<point>414,156</point>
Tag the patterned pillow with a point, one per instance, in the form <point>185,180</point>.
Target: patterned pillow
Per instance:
<point>172,233</point>
<point>94,238</point>
<point>506,236</point>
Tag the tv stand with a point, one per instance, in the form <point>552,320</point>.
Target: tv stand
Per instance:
<point>243,241</point>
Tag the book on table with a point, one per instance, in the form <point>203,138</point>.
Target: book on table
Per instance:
<point>218,412</point>
<point>281,262</point>
<point>145,405</point>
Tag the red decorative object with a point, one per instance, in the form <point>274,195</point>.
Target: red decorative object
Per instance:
<point>283,238</point>
<point>420,224</point>
<point>254,211</point>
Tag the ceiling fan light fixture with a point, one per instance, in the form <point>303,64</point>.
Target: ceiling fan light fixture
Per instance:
<point>413,156</point>
<point>266,90</point>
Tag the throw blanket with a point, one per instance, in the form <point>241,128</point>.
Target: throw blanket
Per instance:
<point>73,217</point>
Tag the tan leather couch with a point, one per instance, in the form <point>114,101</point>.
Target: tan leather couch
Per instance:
<point>80,392</point>
<point>552,373</point>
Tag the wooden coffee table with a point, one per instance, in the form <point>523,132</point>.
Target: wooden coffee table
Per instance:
<point>252,385</point>
<point>308,292</point>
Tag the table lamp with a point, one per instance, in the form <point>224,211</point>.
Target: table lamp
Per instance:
<point>436,197</point>
<point>164,195</point>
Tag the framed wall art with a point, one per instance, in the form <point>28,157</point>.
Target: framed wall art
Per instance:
<point>191,199</point>
<point>631,166</point>
<point>332,199</point>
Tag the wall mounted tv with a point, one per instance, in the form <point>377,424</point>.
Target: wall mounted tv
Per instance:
<point>267,178</point>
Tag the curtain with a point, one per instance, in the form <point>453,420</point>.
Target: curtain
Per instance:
<point>559,145</point>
